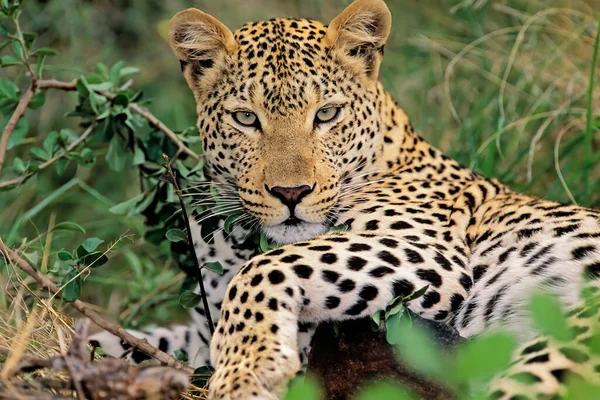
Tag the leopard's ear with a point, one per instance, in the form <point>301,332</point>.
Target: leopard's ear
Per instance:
<point>359,34</point>
<point>199,41</point>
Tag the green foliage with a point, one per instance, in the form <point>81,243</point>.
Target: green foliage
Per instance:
<point>549,317</point>
<point>304,388</point>
<point>384,391</point>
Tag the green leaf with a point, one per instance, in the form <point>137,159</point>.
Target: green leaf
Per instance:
<point>417,348</point>
<point>7,61</point>
<point>44,51</point>
<point>176,235</point>
<point>384,391</point>
<point>304,388</point>
<point>86,158</point>
<point>94,259</point>
<point>139,157</point>
<point>68,226</point>
<point>101,87</point>
<point>117,155</point>
<point>376,319</point>
<point>180,355</point>
<point>201,376</point>
<point>126,71</point>
<point>102,70</point>
<point>29,38</point>
<point>71,286</point>
<point>126,207</point>
<point>549,317</point>
<point>227,225</point>
<point>64,255</point>
<point>61,165</point>
<point>39,153</point>
<point>483,357</point>
<point>19,133</point>
<point>393,328</point>
<point>19,166</point>
<point>8,89</point>
<point>214,266</point>
<point>91,244</point>
<point>115,72</point>
<point>39,67</point>
<point>50,142</point>
<point>38,100</point>
<point>17,49</point>
<point>415,295</point>
<point>120,100</point>
<point>189,299</point>
<point>263,243</point>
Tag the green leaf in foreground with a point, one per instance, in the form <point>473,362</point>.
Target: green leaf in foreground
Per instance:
<point>214,266</point>
<point>71,286</point>
<point>189,299</point>
<point>548,316</point>
<point>384,391</point>
<point>176,235</point>
<point>484,356</point>
<point>416,346</point>
<point>304,388</point>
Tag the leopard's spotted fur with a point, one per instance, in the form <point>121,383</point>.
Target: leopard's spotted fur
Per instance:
<point>414,217</point>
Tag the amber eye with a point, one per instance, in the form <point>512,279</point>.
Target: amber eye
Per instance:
<point>245,118</point>
<point>327,114</point>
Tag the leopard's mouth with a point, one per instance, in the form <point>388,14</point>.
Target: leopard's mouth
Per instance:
<point>294,230</point>
<point>293,221</point>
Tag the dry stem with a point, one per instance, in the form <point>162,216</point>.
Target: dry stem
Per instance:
<point>84,308</point>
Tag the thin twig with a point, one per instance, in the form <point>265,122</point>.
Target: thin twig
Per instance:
<point>12,122</point>
<point>85,309</point>
<point>54,159</point>
<point>190,241</point>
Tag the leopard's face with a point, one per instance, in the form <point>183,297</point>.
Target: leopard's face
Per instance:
<point>287,109</point>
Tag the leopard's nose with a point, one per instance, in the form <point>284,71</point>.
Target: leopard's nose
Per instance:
<point>290,196</point>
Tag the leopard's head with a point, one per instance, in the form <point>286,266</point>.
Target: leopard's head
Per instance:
<point>287,109</point>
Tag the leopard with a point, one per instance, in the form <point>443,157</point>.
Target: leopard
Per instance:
<point>299,133</point>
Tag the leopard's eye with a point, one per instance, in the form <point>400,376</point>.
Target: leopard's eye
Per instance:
<point>245,118</point>
<point>326,114</point>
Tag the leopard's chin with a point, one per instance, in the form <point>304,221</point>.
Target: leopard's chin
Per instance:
<point>288,233</point>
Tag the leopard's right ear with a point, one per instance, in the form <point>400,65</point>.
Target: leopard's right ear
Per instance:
<point>199,40</point>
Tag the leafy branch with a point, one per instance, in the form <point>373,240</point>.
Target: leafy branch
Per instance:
<point>70,86</point>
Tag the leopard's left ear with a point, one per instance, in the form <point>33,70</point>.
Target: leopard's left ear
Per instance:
<point>200,41</point>
<point>360,33</point>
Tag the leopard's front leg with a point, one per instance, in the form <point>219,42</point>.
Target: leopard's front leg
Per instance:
<point>336,277</point>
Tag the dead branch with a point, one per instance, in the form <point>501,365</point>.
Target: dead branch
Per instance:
<point>85,309</point>
<point>106,379</point>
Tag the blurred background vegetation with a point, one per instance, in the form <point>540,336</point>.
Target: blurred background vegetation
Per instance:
<point>503,86</point>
